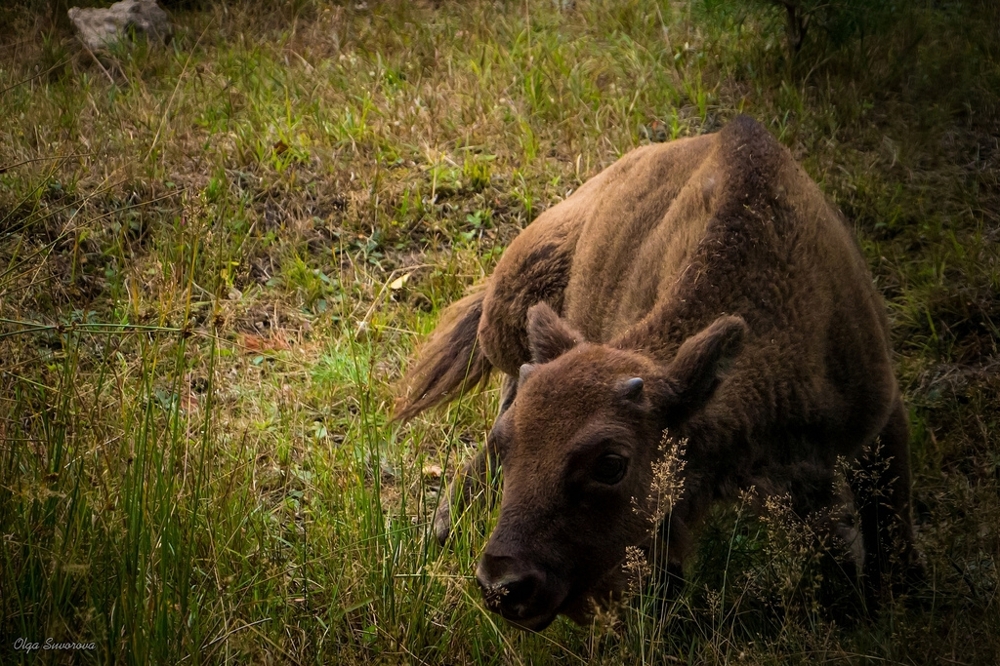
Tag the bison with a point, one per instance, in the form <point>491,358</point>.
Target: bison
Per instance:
<point>704,288</point>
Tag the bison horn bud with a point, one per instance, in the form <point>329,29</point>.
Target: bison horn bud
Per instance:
<point>631,389</point>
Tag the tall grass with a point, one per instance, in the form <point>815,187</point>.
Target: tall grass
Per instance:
<point>216,258</point>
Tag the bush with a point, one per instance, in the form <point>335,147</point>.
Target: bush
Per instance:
<point>836,21</point>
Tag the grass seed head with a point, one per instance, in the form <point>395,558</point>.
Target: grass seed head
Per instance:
<point>667,486</point>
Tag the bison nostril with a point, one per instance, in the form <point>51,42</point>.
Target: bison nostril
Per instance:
<point>520,592</point>
<point>506,588</point>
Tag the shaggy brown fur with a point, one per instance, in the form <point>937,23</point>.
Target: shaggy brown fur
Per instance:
<point>705,287</point>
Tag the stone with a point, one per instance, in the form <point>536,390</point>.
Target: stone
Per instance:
<point>99,29</point>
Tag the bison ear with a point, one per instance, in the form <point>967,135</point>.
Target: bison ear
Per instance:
<point>694,373</point>
<point>548,335</point>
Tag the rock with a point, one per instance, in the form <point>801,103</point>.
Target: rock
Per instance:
<point>98,29</point>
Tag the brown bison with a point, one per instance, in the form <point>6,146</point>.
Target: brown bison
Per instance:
<point>704,288</point>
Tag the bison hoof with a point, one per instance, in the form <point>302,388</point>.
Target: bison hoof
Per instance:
<point>441,523</point>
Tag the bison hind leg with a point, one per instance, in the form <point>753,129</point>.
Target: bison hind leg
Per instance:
<point>880,482</point>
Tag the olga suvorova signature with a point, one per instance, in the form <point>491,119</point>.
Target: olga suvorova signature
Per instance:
<point>24,645</point>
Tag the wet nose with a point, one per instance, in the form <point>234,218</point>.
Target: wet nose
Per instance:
<point>509,586</point>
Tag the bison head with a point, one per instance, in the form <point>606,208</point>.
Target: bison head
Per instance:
<point>577,445</point>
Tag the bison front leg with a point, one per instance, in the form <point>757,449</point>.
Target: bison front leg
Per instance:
<point>671,549</point>
<point>470,482</point>
<point>475,478</point>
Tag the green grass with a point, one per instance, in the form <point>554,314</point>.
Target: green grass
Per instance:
<point>216,258</point>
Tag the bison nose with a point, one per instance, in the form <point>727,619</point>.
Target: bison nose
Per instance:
<point>509,587</point>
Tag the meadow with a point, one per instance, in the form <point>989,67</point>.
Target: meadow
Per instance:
<point>217,257</point>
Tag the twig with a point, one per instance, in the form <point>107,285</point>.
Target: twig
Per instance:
<point>5,169</point>
<point>237,629</point>
<point>170,102</point>
<point>37,327</point>
<point>32,78</point>
<point>103,68</point>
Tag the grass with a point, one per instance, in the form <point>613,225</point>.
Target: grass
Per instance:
<point>215,259</point>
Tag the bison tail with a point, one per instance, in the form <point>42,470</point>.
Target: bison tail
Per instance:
<point>451,361</point>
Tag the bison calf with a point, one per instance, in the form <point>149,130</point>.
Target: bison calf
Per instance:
<point>704,288</point>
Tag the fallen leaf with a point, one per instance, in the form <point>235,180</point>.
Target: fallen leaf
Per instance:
<point>398,283</point>
<point>257,343</point>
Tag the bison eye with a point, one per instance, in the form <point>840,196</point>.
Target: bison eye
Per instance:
<point>610,469</point>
